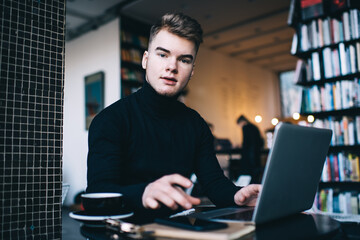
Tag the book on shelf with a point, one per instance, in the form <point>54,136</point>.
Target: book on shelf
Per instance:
<point>125,55</point>
<point>136,56</point>
<point>337,5</point>
<point>320,32</point>
<point>345,129</point>
<point>326,30</point>
<point>331,96</point>
<point>316,67</point>
<point>131,55</point>
<point>354,18</point>
<point>294,44</point>
<point>131,75</point>
<point>334,62</point>
<point>352,59</point>
<point>330,30</point>
<point>327,60</point>
<point>338,30</point>
<point>343,59</point>
<point>305,42</point>
<point>341,5</point>
<point>341,167</point>
<point>357,129</point>
<point>357,49</point>
<point>335,201</point>
<point>309,75</point>
<point>355,167</point>
<point>300,72</point>
<point>346,26</point>
<point>135,39</point>
<point>314,28</point>
<point>143,41</point>
<point>293,16</point>
<point>311,9</point>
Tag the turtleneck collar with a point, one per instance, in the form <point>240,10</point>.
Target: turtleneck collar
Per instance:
<point>157,104</point>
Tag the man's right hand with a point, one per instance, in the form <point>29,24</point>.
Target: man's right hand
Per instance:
<point>167,190</point>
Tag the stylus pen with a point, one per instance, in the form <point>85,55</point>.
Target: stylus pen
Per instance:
<point>183,213</point>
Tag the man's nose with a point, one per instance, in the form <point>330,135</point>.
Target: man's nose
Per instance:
<point>172,65</point>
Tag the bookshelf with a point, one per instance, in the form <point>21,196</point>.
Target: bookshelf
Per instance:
<point>133,43</point>
<point>327,44</point>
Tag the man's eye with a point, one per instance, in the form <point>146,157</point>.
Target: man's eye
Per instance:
<point>162,55</point>
<point>185,61</point>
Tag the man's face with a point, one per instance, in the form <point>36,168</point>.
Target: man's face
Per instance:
<point>169,63</point>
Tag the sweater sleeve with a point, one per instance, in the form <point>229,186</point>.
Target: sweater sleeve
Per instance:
<point>106,160</point>
<point>215,184</point>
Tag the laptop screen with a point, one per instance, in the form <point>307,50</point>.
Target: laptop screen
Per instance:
<point>292,171</point>
<point>291,176</point>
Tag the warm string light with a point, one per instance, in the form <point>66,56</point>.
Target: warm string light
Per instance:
<point>296,116</point>
<point>274,121</point>
<point>310,118</point>
<point>258,118</point>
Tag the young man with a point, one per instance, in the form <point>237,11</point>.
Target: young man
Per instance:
<point>252,143</point>
<point>147,145</point>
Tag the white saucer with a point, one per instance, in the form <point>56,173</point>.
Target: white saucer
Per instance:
<point>96,221</point>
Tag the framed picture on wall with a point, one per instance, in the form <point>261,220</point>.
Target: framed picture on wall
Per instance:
<point>94,96</point>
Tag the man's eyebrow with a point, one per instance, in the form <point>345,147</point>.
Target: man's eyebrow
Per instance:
<point>162,49</point>
<point>182,56</point>
<point>187,56</point>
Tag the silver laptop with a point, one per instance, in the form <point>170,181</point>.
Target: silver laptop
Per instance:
<point>291,176</point>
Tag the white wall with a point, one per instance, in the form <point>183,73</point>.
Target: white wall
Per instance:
<point>95,51</point>
<point>222,88</point>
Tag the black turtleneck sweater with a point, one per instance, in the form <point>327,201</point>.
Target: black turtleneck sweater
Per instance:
<point>145,136</point>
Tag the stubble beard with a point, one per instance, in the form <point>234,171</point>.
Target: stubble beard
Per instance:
<point>168,94</point>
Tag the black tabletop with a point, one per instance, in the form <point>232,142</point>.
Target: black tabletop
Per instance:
<point>300,226</point>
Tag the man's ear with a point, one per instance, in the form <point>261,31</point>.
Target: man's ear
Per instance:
<point>144,59</point>
<point>192,71</point>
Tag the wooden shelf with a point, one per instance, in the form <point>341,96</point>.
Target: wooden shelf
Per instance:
<point>329,80</point>
<point>343,186</point>
<point>343,112</point>
<point>317,64</point>
<point>348,148</point>
<point>307,54</point>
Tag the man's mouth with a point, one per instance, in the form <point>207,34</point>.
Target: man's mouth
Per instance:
<point>169,80</point>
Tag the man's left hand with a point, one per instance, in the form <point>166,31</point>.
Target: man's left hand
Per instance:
<point>247,195</point>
